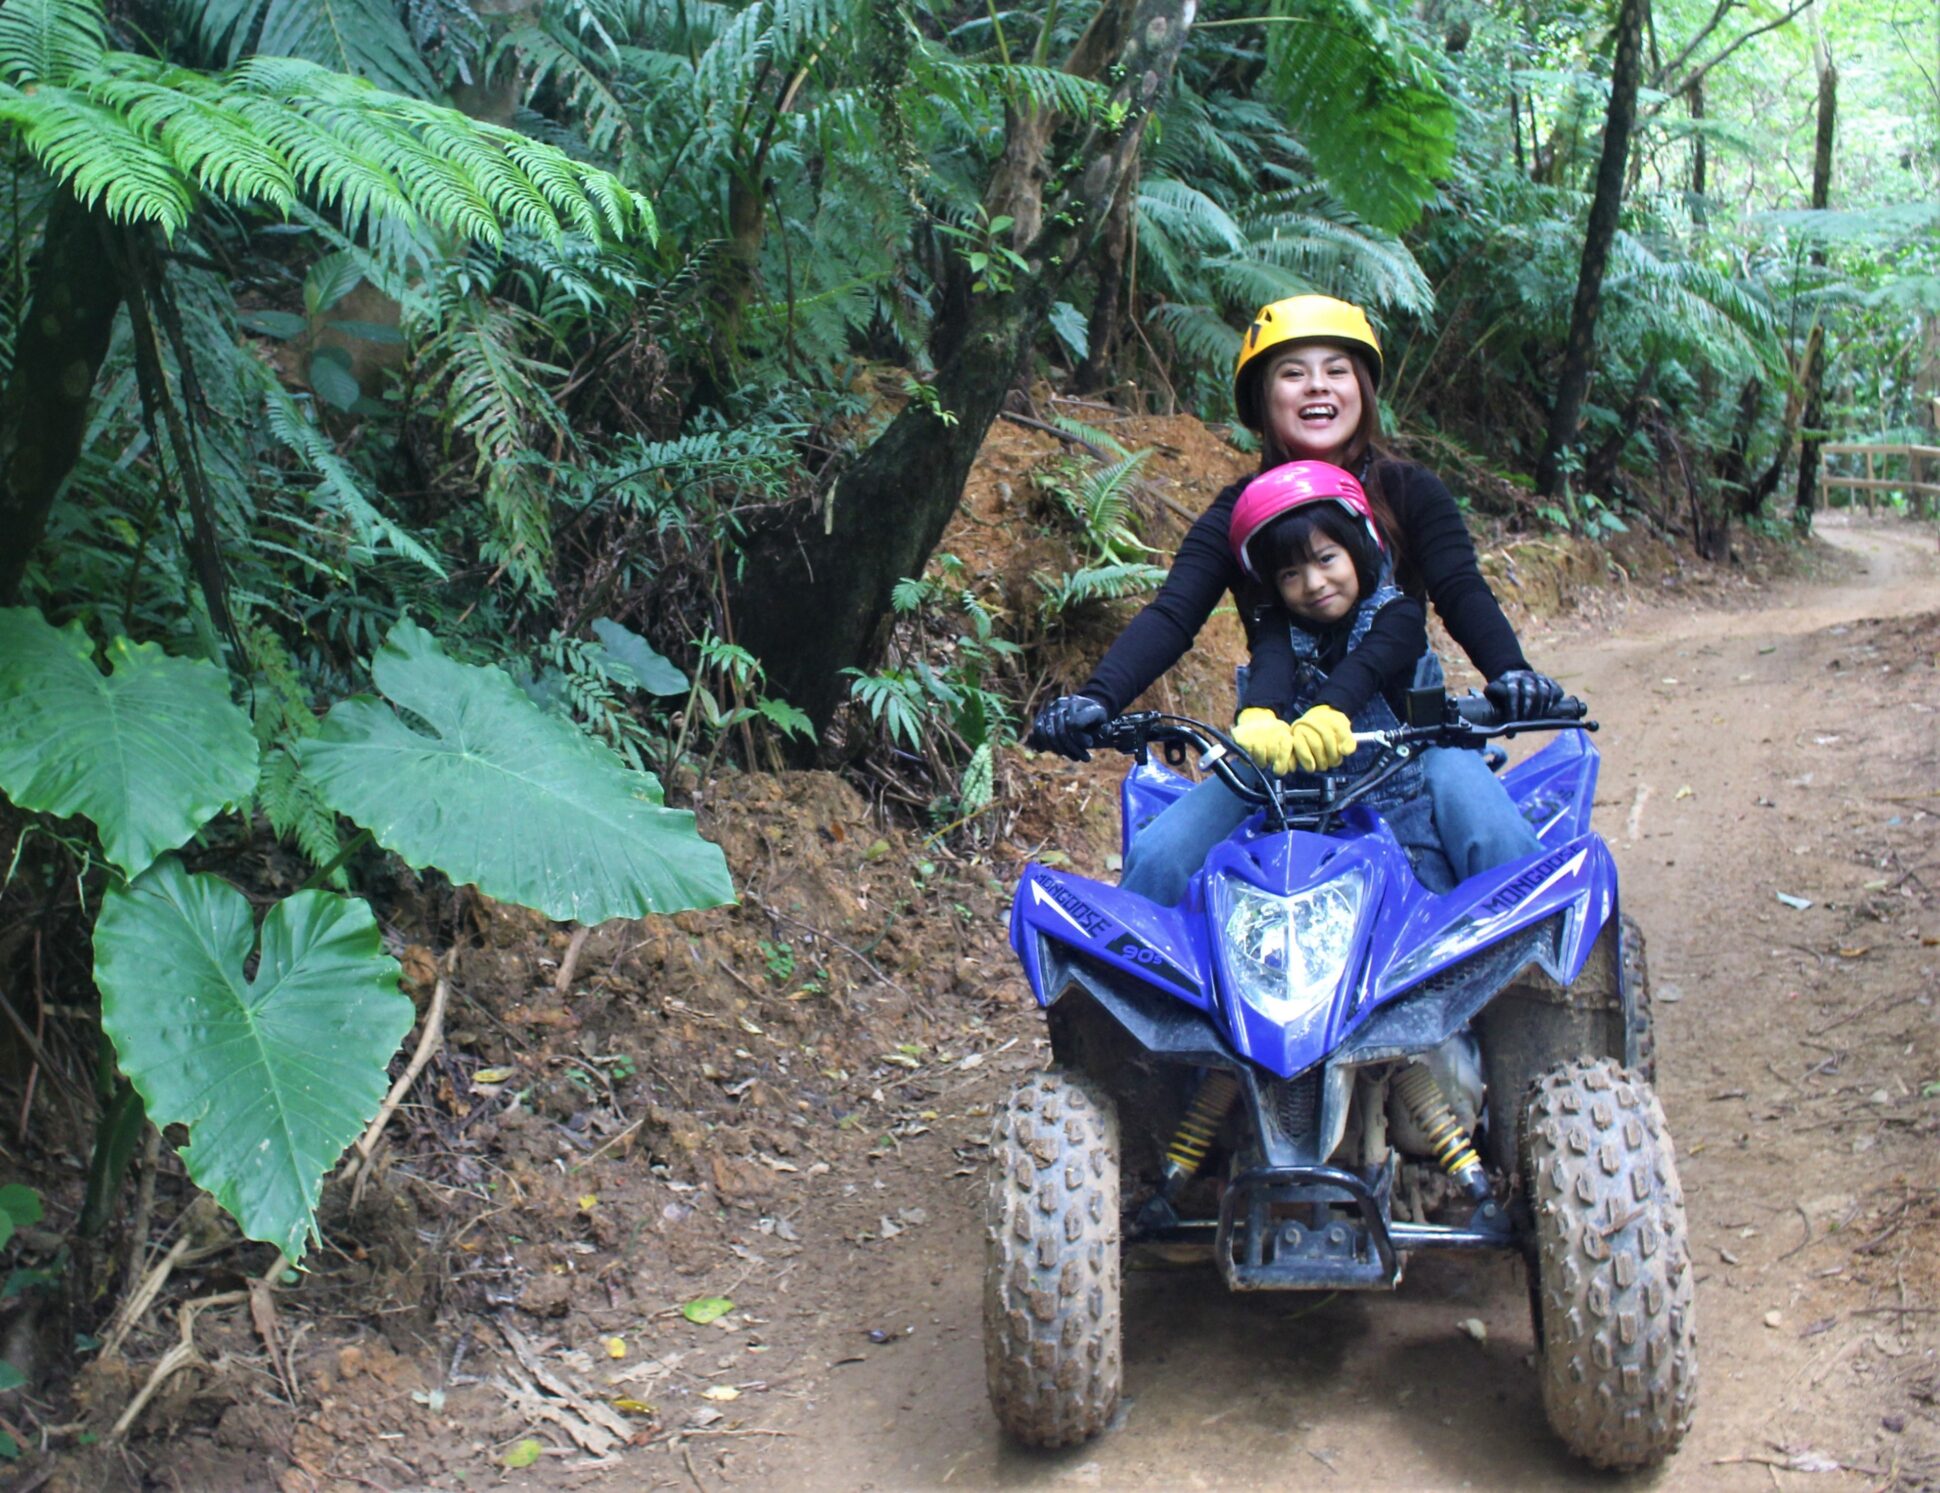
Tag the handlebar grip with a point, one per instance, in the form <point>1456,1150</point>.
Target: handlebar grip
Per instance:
<point>1478,710</point>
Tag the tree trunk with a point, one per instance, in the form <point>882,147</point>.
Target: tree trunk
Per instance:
<point>1601,468</point>
<point>1812,375</point>
<point>1114,249</point>
<point>1580,351</point>
<point>1697,157</point>
<point>1733,464</point>
<point>44,411</point>
<point>814,603</point>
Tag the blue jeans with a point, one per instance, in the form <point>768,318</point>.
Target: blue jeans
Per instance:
<point>1478,824</point>
<point>1471,825</point>
<point>1166,852</point>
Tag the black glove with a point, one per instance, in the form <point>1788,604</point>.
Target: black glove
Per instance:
<point>1065,726</point>
<point>1524,695</point>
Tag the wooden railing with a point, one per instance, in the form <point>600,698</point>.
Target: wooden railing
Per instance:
<point>1918,492</point>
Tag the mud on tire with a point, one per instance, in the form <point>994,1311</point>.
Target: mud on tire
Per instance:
<point>1051,1300</point>
<point>1640,1029</point>
<point>1613,1281</point>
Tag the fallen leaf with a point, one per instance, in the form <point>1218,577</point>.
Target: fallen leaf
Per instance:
<point>1475,1327</point>
<point>1855,951</point>
<point>1687,791</point>
<point>588,1201</point>
<point>494,1075</point>
<point>705,1416</point>
<point>615,1347</point>
<point>720,1392</point>
<point>704,1309</point>
<point>633,1407</point>
<point>524,1454</point>
<point>901,1060</point>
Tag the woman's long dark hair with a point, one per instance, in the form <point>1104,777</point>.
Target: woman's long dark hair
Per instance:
<point>1362,455</point>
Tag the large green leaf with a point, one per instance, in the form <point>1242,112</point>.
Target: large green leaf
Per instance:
<point>1363,102</point>
<point>498,793</point>
<point>149,752</point>
<point>274,1073</point>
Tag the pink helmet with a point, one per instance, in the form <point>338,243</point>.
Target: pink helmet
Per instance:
<point>1290,486</point>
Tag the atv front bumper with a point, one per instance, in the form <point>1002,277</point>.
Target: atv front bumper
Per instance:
<point>1322,1228</point>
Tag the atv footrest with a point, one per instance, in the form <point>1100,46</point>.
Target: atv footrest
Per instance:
<point>1259,1248</point>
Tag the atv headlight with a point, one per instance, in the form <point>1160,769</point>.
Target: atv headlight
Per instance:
<point>1286,955</point>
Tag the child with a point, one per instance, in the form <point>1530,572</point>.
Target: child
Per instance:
<point>1338,652</point>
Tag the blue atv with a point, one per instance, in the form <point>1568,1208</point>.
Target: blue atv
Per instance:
<point>1313,1067</point>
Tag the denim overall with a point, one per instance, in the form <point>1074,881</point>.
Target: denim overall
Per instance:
<point>1402,800</point>
<point>1375,715</point>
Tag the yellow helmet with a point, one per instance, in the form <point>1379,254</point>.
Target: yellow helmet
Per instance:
<point>1301,318</point>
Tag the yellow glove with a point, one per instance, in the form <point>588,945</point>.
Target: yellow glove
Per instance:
<point>1268,740</point>
<point>1322,739</point>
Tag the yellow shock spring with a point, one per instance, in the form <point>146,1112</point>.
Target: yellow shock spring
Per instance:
<point>1446,1138</point>
<point>1200,1127</point>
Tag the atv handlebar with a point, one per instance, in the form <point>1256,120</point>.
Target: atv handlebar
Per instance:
<point>1473,718</point>
<point>1466,721</point>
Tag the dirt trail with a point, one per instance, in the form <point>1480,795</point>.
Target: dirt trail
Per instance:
<point>1746,753</point>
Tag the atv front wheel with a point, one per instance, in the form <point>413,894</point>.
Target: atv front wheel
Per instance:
<point>1051,1285</point>
<point>1613,1279</point>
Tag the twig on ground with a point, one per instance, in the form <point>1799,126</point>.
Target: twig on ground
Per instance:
<point>1804,1219</point>
<point>178,1357</point>
<point>564,978</point>
<point>143,1296</point>
<point>432,1035</point>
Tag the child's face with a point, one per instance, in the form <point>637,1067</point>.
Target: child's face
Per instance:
<point>1323,586</point>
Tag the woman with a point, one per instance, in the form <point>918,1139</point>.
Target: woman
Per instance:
<point>1305,382</point>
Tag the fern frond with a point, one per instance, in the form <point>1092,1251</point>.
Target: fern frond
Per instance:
<point>296,811</point>
<point>543,57</point>
<point>1201,333</point>
<point>1188,214</point>
<point>495,400</point>
<point>140,138</point>
<point>210,143</point>
<point>1384,152</point>
<point>1097,583</point>
<point>48,41</point>
<point>98,156</point>
<point>361,37</point>
<point>339,489</point>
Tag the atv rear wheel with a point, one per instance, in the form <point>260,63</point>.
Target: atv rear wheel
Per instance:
<point>1613,1280</point>
<point>1051,1298</point>
<point>1639,1026</point>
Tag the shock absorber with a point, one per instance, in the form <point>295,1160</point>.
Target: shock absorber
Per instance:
<point>1450,1143</point>
<point>1198,1129</point>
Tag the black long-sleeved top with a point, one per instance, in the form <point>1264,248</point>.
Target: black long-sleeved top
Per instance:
<point>1384,662</point>
<point>1439,564</point>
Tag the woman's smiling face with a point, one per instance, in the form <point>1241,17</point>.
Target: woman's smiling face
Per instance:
<point>1313,401</point>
